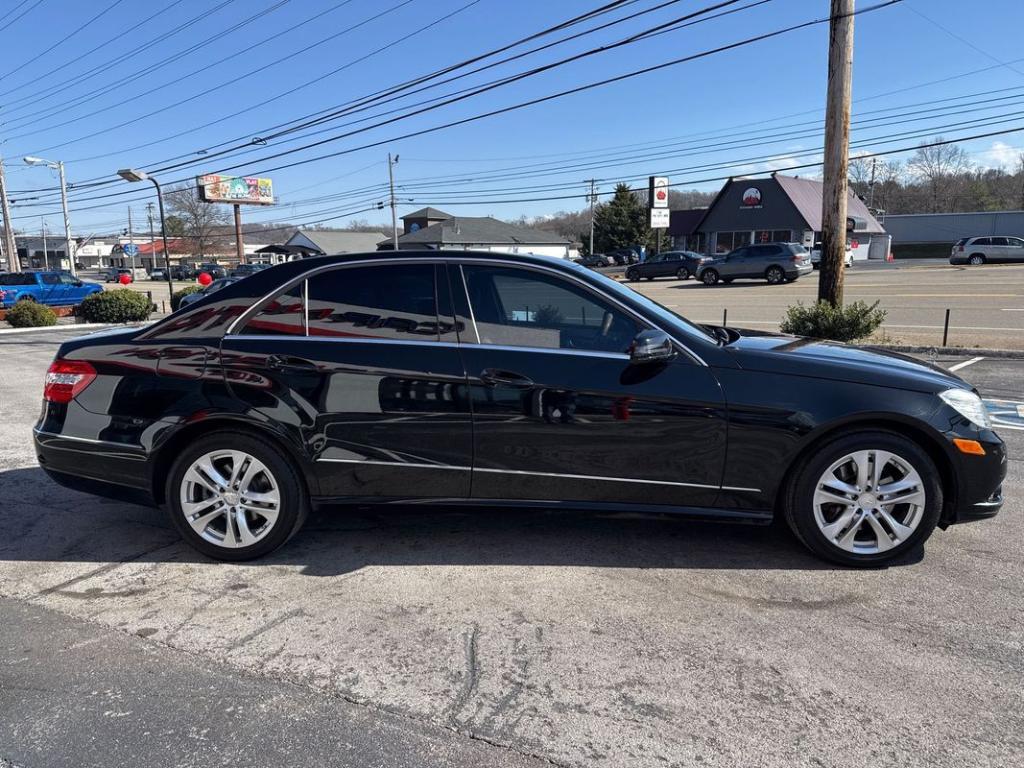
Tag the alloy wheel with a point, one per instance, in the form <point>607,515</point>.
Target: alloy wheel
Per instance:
<point>230,498</point>
<point>709,277</point>
<point>869,501</point>
<point>976,260</point>
<point>775,275</point>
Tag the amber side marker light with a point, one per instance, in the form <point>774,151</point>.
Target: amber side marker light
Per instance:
<point>973,447</point>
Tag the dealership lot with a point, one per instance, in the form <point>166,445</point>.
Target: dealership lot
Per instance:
<point>562,637</point>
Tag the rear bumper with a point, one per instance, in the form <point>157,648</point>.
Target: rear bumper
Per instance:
<point>99,467</point>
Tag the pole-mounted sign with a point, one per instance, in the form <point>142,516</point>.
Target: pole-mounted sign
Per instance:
<point>657,201</point>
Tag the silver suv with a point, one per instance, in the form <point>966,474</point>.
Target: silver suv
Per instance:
<point>987,250</point>
<point>775,262</point>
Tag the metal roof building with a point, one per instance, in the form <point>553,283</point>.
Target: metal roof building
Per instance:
<point>947,228</point>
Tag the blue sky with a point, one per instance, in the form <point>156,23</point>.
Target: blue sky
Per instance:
<point>106,92</point>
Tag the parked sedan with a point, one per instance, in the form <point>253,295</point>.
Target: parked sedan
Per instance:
<point>468,378</point>
<point>679,264</point>
<point>596,260</point>
<point>113,275</point>
<point>244,270</point>
<point>987,250</point>
<point>213,287</point>
<point>775,262</point>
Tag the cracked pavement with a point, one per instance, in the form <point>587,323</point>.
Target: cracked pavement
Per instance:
<point>493,638</point>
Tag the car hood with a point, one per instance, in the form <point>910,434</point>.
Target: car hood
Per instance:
<point>799,356</point>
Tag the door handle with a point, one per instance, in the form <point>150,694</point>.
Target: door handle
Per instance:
<point>286,363</point>
<point>494,377</point>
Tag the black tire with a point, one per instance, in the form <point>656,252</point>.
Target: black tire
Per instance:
<point>294,506</point>
<point>632,275</point>
<point>775,275</point>
<point>976,259</point>
<point>29,299</point>
<point>709,276</point>
<point>648,278</point>
<point>683,273</point>
<point>798,505</point>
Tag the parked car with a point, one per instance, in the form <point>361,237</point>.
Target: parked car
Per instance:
<point>462,377</point>
<point>987,250</point>
<point>596,260</point>
<point>182,272</point>
<point>45,287</point>
<point>775,262</point>
<point>158,273</point>
<point>213,287</point>
<point>113,275</point>
<point>244,270</point>
<point>816,257</point>
<point>623,256</point>
<point>213,270</point>
<point>679,264</point>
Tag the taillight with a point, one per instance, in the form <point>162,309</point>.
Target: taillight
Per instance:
<point>66,378</point>
<point>960,248</point>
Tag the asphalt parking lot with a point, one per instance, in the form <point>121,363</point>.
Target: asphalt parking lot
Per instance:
<point>528,638</point>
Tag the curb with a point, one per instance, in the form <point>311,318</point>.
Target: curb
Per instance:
<point>1006,354</point>
<point>67,327</point>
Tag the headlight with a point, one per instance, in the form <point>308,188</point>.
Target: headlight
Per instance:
<point>968,405</point>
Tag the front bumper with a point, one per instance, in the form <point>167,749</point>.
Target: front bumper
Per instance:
<point>980,479</point>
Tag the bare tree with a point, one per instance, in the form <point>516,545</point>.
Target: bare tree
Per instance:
<point>200,219</point>
<point>942,169</point>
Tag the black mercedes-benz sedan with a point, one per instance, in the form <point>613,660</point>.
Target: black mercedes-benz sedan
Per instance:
<point>470,378</point>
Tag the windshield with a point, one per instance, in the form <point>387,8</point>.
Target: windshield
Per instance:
<point>656,310</point>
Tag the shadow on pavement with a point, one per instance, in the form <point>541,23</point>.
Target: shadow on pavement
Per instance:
<point>43,522</point>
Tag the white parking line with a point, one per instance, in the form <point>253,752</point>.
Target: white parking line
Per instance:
<point>965,363</point>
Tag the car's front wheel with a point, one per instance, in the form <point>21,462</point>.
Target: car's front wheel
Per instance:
<point>865,498</point>
<point>233,496</point>
<point>633,275</point>
<point>709,276</point>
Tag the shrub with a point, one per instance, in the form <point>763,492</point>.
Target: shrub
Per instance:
<point>121,305</point>
<point>177,296</point>
<point>28,314</point>
<point>823,321</point>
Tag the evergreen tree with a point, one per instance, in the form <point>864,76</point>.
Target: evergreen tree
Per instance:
<point>621,222</point>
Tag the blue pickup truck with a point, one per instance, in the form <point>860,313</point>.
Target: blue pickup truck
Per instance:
<point>54,288</point>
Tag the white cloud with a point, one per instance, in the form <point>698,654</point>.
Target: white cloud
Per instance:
<point>1000,155</point>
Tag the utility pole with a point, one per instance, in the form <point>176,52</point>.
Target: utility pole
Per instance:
<point>837,150</point>
<point>131,240</point>
<point>152,235</point>
<point>593,199</point>
<point>394,215</point>
<point>46,251</point>
<point>239,247</point>
<point>871,184</point>
<point>10,247</point>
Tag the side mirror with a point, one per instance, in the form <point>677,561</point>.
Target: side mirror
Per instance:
<point>651,347</point>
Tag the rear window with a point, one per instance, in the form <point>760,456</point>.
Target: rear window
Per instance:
<point>962,241</point>
<point>17,278</point>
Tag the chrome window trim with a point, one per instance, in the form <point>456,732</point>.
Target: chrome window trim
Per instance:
<point>400,464</point>
<point>433,344</point>
<point>457,261</point>
<point>469,303</point>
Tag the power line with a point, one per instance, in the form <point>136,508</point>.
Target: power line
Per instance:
<point>20,15</point>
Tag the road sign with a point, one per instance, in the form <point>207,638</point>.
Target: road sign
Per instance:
<point>657,192</point>
<point>659,218</point>
<point>131,250</point>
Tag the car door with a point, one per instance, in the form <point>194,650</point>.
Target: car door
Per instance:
<point>1015,249</point>
<point>559,411</point>
<point>998,250</point>
<point>357,363</point>
<point>735,264</point>
<point>51,290</point>
<point>74,289</point>
<point>669,263</point>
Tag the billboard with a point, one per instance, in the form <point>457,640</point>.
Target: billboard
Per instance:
<point>237,190</point>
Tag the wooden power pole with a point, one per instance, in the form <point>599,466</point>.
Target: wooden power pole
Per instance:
<point>837,149</point>
<point>10,247</point>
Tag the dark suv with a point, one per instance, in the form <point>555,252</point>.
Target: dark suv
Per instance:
<point>775,262</point>
<point>447,378</point>
<point>679,264</point>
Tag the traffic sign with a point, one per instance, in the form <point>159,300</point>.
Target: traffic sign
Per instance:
<point>131,250</point>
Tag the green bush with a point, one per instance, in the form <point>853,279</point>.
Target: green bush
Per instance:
<point>177,296</point>
<point>121,305</point>
<point>28,314</point>
<point>823,321</point>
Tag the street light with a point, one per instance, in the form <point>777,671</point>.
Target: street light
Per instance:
<point>59,166</point>
<point>130,174</point>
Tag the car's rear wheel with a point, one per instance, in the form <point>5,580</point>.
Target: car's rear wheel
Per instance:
<point>233,496</point>
<point>865,498</point>
<point>976,259</point>
<point>774,275</point>
<point>683,273</point>
<point>709,276</point>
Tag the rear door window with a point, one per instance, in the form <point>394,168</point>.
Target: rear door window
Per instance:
<point>17,278</point>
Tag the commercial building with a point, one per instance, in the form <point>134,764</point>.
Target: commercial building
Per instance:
<point>43,253</point>
<point>933,234</point>
<point>773,209</point>
<point>434,229</point>
<point>322,242</point>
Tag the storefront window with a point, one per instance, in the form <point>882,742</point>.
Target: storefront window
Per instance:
<point>773,236</point>
<point>728,241</point>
